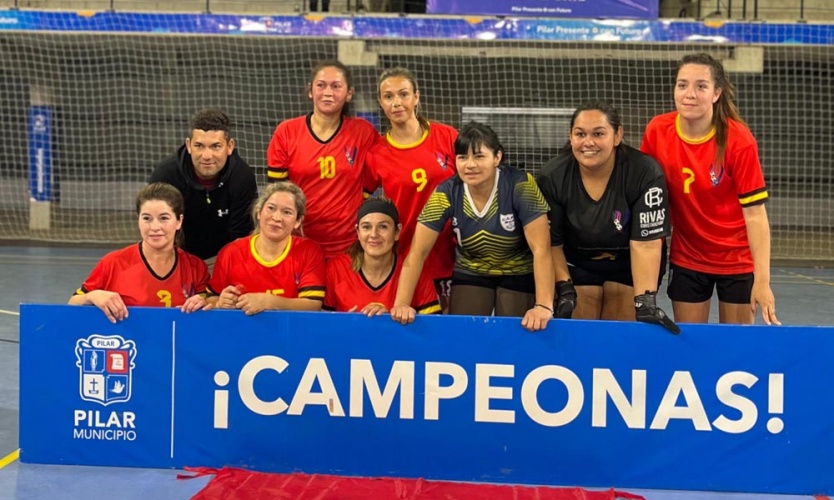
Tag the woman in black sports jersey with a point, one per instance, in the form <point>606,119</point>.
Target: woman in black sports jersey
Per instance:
<point>499,218</point>
<point>609,217</point>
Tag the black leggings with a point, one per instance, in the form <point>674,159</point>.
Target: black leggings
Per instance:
<point>481,295</point>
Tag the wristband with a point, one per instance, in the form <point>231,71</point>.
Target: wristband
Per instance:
<point>545,308</point>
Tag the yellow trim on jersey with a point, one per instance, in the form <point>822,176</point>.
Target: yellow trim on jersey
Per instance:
<point>753,198</point>
<point>272,174</point>
<point>690,140</point>
<point>436,205</point>
<point>433,308</point>
<point>260,259</point>
<point>397,145</point>
<point>317,293</point>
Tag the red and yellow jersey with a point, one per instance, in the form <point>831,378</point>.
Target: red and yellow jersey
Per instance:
<point>408,174</point>
<point>330,173</point>
<point>347,288</point>
<point>297,273</point>
<point>709,234</point>
<point>128,273</point>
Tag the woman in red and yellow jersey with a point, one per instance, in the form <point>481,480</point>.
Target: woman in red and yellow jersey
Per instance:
<point>323,152</point>
<point>153,273</point>
<point>365,278</point>
<point>272,269</point>
<point>720,229</point>
<point>414,158</point>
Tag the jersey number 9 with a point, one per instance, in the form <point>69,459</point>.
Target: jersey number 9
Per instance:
<point>418,175</point>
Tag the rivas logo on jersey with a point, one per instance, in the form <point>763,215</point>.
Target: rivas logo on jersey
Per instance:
<point>442,160</point>
<point>350,155</point>
<point>105,368</point>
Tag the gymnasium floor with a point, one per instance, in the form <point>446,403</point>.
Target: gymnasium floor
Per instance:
<point>50,275</point>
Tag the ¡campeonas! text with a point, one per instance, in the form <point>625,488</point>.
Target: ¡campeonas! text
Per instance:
<point>401,379</point>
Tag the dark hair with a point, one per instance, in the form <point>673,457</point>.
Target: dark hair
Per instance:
<point>279,187</point>
<point>400,72</point>
<point>333,63</point>
<point>211,119</point>
<point>161,191</point>
<point>612,116</point>
<point>724,109</point>
<point>370,206</point>
<point>473,135</point>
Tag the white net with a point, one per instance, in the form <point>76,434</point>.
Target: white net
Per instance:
<point>121,102</point>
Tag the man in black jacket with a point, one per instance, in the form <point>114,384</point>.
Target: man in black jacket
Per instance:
<point>218,185</point>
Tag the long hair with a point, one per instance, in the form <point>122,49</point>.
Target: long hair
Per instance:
<point>400,72</point>
<point>339,66</point>
<point>161,191</point>
<point>724,109</point>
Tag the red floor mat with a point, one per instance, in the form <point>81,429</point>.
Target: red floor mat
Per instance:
<point>239,484</point>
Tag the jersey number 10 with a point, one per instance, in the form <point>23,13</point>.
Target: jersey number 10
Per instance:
<point>327,164</point>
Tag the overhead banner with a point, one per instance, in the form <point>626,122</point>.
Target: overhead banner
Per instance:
<point>417,27</point>
<point>595,404</point>
<point>592,9</point>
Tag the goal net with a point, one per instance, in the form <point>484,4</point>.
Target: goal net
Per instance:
<point>112,103</point>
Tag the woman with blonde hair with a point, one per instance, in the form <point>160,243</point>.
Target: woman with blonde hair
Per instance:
<point>272,269</point>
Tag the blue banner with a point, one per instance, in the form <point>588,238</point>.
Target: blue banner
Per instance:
<point>40,153</point>
<point>603,9</point>
<point>459,398</point>
<point>486,28</point>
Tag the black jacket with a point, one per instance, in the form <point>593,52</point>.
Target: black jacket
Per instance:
<point>216,216</point>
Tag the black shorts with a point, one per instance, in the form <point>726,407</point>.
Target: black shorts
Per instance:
<point>518,283</point>
<point>595,273</point>
<point>443,287</point>
<point>592,275</point>
<point>686,285</point>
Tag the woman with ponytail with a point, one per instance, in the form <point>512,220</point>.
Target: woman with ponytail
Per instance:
<point>720,228</point>
<point>415,156</point>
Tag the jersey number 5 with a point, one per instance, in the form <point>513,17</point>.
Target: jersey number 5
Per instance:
<point>689,180</point>
<point>418,175</point>
<point>327,164</point>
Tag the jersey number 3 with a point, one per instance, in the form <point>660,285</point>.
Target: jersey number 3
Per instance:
<point>327,164</point>
<point>164,297</point>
